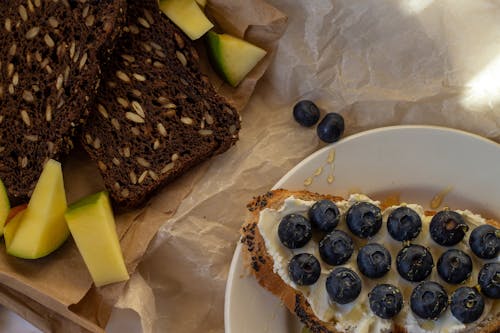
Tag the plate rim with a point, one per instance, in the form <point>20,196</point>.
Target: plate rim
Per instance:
<point>381,130</point>
<point>236,257</point>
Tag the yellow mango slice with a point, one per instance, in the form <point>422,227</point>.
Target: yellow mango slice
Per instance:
<point>93,228</point>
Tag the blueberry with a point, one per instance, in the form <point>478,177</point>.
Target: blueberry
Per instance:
<point>336,248</point>
<point>374,261</point>
<point>467,304</point>
<point>306,113</point>
<point>331,127</point>
<point>428,300</point>
<point>454,266</point>
<point>364,219</point>
<point>386,300</point>
<point>294,231</point>
<point>343,285</point>
<point>304,269</point>
<point>324,215</point>
<point>404,224</point>
<point>484,241</point>
<point>447,228</point>
<point>489,280</point>
<point>414,263</point>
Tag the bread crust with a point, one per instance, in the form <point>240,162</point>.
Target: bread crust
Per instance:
<point>261,264</point>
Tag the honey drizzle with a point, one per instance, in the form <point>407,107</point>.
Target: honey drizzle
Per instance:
<point>331,157</point>
<point>308,181</point>
<point>437,200</point>
<point>329,161</point>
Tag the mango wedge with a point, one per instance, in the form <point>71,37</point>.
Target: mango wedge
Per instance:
<point>4,206</point>
<point>92,226</point>
<point>42,228</point>
<point>188,16</point>
<point>233,58</point>
<point>201,3</point>
<point>10,228</point>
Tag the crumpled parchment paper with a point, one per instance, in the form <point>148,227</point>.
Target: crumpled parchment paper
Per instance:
<point>56,293</point>
<point>378,63</point>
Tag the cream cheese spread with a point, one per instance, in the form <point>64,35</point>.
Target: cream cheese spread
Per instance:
<point>357,314</point>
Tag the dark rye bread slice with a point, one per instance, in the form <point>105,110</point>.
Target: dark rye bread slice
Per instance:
<point>261,265</point>
<point>49,72</point>
<point>156,114</point>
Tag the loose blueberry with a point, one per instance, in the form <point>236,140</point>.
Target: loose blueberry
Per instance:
<point>331,127</point>
<point>484,241</point>
<point>467,304</point>
<point>364,219</point>
<point>324,215</point>
<point>428,300</point>
<point>336,248</point>
<point>294,231</point>
<point>404,224</point>
<point>414,263</point>
<point>386,300</point>
<point>306,113</point>
<point>343,285</point>
<point>374,261</point>
<point>454,266</point>
<point>447,228</point>
<point>489,280</point>
<point>304,269</point>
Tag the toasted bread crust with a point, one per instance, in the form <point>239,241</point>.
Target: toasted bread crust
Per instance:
<point>261,264</point>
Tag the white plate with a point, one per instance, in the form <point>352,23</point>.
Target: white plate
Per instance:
<point>416,162</point>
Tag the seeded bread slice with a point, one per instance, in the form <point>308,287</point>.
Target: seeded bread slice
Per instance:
<point>261,265</point>
<point>49,71</point>
<point>156,114</point>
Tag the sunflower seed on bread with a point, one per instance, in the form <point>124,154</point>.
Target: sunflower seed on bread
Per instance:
<point>156,114</point>
<point>49,71</point>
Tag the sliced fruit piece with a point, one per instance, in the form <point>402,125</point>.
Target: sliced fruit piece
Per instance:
<point>12,222</point>
<point>11,227</point>
<point>14,211</point>
<point>201,3</point>
<point>92,226</point>
<point>188,16</point>
<point>232,57</point>
<point>42,228</point>
<point>4,206</point>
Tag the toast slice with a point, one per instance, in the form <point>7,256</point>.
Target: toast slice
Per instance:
<point>261,264</point>
<point>50,53</point>
<point>156,114</point>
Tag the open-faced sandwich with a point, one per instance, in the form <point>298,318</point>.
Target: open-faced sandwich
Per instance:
<point>355,265</point>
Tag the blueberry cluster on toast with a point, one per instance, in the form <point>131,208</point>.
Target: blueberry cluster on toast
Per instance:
<point>354,265</point>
